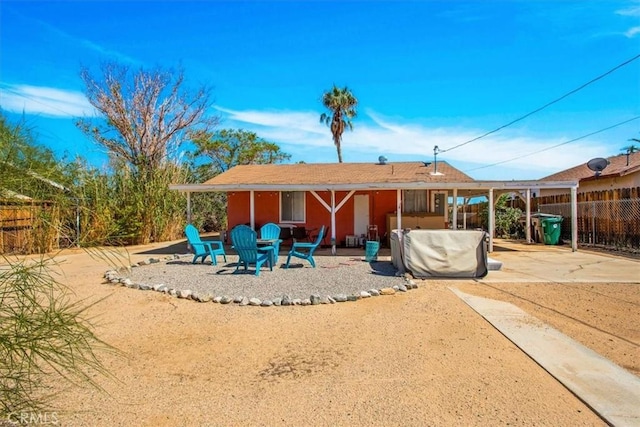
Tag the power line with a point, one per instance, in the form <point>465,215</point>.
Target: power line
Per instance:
<point>557,145</point>
<point>544,106</point>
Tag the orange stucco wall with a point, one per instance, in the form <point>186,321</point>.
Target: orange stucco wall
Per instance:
<point>267,209</point>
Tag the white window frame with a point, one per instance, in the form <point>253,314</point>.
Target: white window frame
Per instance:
<point>304,208</point>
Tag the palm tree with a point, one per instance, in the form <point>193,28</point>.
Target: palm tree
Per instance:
<point>630,149</point>
<point>342,106</point>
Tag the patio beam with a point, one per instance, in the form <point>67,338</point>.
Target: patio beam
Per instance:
<point>343,201</point>
<point>333,209</point>
<point>321,200</point>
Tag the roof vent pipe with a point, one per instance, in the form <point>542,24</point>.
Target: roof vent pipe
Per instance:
<point>436,150</point>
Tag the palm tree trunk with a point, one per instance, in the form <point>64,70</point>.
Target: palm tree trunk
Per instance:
<point>337,127</point>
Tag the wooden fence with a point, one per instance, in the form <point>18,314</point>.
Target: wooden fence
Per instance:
<point>27,227</point>
<point>609,218</point>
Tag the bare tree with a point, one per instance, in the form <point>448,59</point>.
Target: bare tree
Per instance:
<point>146,115</point>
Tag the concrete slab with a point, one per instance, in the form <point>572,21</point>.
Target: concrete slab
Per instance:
<point>523,263</point>
<point>612,392</point>
<point>528,263</point>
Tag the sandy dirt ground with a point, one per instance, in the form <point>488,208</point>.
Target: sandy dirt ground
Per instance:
<point>419,358</point>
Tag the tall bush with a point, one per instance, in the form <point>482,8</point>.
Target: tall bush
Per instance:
<point>507,218</point>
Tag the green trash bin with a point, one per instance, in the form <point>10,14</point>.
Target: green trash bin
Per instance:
<point>551,229</point>
<point>371,250</point>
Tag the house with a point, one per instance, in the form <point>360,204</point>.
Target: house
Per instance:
<point>349,197</point>
<point>622,171</point>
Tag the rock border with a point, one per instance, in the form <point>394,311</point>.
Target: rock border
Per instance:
<point>119,277</point>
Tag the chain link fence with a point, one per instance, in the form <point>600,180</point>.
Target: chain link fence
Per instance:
<point>607,223</point>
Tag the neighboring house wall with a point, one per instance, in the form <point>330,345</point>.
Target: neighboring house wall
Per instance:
<point>600,184</point>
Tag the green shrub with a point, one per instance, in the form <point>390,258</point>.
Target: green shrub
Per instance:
<point>43,336</point>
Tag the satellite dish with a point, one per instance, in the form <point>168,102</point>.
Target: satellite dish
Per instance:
<point>382,160</point>
<point>597,165</point>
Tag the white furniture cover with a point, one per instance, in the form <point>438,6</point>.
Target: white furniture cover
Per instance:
<point>440,253</point>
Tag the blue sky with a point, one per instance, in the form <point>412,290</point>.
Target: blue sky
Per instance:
<point>425,73</point>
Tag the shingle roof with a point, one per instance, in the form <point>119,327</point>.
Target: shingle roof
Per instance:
<point>339,173</point>
<point>617,166</point>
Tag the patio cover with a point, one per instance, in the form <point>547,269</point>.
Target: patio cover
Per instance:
<point>440,253</point>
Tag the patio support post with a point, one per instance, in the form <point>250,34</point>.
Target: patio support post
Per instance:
<point>188,207</point>
<point>574,219</point>
<point>332,210</point>
<point>492,219</point>
<point>399,226</point>
<point>454,217</point>
<point>465,201</point>
<point>333,222</point>
<point>527,227</point>
<point>77,223</point>
<point>252,209</point>
<point>399,212</point>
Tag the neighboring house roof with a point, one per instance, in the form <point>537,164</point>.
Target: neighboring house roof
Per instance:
<point>9,194</point>
<point>339,173</point>
<point>618,166</point>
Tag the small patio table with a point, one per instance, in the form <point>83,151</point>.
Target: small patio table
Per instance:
<point>267,245</point>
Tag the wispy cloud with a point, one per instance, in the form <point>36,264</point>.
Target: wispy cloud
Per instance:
<point>409,141</point>
<point>632,32</point>
<point>44,100</point>
<point>464,13</point>
<point>633,12</point>
<point>629,11</point>
<point>79,41</point>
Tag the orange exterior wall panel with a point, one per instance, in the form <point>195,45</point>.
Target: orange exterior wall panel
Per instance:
<point>267,209</point>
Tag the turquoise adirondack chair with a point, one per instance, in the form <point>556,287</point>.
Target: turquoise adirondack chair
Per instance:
<point>203,249</point>
<point>272,231</point>
<point>245,242</point>
<point>305,250</point>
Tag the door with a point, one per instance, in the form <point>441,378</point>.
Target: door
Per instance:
<point>360,214</point>
<point>440,204</point>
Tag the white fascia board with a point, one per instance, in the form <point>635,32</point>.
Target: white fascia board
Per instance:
<point>419,185</point>
<point>516,185</point>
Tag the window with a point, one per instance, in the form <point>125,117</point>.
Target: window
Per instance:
<point>415,201</point>
<point>292,206</point>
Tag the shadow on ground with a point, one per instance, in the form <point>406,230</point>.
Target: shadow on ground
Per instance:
<point>176,248</point>
<point>182,248</point>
